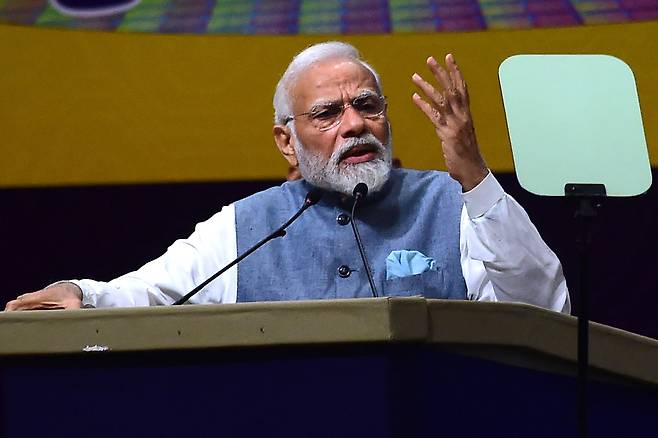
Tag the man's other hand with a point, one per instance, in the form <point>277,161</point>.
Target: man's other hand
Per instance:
<point>57,296</point>
<point>447,107</point>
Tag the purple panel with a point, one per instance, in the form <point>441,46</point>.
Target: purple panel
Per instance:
<point>277,6</point>
<point>463,23</point>
<point>460,10</point>
<point>369,16</point>
<point>92,4</point>
<point>364,4</point>
<point>275,17</point>
<point>556,20</point>
<point>24,12</point>
<point>446,3</point>
<point>535,7</point>
<point>518,21</point>
<point>605,17</point>
<point>271,29</point>
<point>644,15</point>
<point>280,19</point>
<point>422,24</point>
<point>99,23</point>
<point>638,4</point>
<point>365,28</point>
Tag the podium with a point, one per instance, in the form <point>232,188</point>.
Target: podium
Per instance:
<point>385,367</point>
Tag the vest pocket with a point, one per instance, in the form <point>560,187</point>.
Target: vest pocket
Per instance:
<point>429,284</point>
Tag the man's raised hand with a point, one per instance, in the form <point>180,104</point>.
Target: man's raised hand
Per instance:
<point>448,110</point>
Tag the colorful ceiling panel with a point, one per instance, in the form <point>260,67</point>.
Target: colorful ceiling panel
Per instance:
<point>292,17</point>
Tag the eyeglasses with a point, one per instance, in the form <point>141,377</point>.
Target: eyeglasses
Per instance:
<point>327,115</point>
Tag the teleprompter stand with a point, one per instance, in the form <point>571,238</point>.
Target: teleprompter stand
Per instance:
<point>576,131</point>
<point>586,200</point>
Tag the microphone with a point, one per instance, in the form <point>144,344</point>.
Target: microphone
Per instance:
<point>312,198</point>
<point>360,192</point>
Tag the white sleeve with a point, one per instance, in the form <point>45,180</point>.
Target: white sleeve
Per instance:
<point>187,263</point>
<point>503,256</point>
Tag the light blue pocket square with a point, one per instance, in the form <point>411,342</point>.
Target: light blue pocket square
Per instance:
<point>404,263</point>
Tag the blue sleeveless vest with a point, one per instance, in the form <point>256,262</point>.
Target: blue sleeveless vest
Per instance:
<point>416,210</point>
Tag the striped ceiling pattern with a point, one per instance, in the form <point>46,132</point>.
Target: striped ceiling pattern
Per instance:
<point>307,17</point>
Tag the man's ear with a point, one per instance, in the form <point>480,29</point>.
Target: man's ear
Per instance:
<point>284,141</point>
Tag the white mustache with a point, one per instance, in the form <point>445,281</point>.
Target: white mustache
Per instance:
<point>352,142</point>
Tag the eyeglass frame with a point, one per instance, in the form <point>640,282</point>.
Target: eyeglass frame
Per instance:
<point>339,119</point>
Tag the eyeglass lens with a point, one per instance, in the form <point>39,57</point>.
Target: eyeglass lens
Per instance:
<point>328,115</point>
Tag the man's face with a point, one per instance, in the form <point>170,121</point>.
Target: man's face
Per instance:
<point>337,81</point>
<point>355,150</point>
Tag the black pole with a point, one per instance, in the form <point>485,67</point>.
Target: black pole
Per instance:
<point>583,242</point>
<point>588,200</point>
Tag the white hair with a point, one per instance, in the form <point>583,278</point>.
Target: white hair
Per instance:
<point>305,59</point>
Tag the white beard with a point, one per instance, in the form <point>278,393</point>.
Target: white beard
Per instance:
<point>329,174</point>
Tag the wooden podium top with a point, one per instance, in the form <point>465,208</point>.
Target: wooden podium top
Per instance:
<point>500,331</point>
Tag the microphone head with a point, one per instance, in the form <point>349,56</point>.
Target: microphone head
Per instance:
<point>360,190</point>
<point>313,197</point>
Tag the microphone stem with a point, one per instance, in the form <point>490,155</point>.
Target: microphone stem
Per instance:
<point>373,289</point>
<point>279,232</point>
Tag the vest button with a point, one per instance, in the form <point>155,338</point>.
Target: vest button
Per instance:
<point>343,219</point>
<point>344,271</point>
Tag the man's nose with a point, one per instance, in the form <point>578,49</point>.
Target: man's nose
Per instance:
<point>353,123</point>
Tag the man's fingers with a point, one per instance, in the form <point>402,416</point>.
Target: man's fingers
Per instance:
<point>439,73</point>
<point>458,82</point>
<point>451,64</point>
<point>28,298</point>
<point>32,305</point>
<point>52,298</point>
<point>432,113</point>
<point>454,93</point>
<point>436,98</point>
<point>454,98</point>
<point>23,302</point>
<point>447,80</point>
<point>18,304</point>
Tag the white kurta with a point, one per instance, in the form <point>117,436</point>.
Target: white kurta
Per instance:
<point>503,258</point>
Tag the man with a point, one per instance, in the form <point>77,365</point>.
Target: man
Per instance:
<point>445,235</point>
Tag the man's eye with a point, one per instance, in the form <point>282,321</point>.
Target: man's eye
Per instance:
<point>369,103</point>
<point>325,113</point>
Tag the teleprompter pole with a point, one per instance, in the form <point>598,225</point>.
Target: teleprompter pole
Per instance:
<point>588,200</point>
